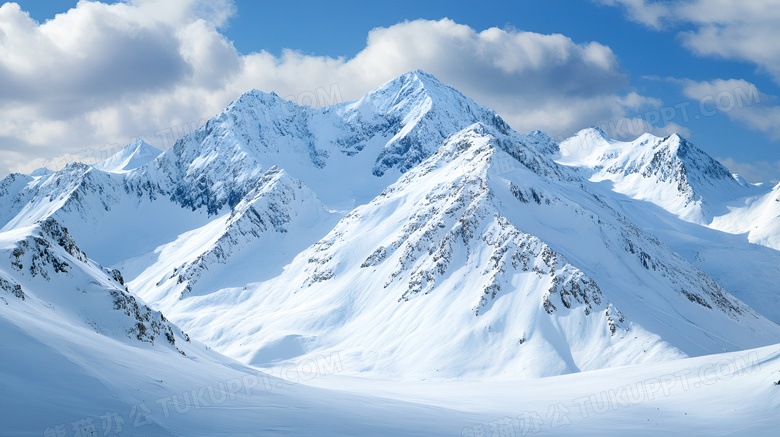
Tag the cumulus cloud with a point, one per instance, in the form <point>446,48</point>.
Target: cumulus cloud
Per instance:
<point>744,30</point>
<point>99,75</point>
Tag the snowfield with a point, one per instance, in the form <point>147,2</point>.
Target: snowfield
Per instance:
<point>405,264</point>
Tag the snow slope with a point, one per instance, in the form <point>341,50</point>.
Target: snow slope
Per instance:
<point>729,394</point>
<point>757,216</point>
<point>113,387</point>
<point>746,270</point>
<point>275,221</point>
<point>111,219</point>
<point>45,274</point>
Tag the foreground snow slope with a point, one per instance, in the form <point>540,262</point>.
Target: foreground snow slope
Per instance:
<point>82,356</point>
<point>730,394</point>
<point>720,395</point>
<point>44,274</point>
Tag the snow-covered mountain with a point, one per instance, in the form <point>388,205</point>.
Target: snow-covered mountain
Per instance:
<point>230,220</point>
<point>680,178</point>
<point>444,251</point>
<point>670,172</point>
<point>412,232</point>
<point>372,140</point>
<point>664,183</point>
<point>82,356</point>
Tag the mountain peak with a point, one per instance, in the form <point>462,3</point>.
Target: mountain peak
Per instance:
<point>43,171</point>
<point>259,96</point>
<point>677,143</point>
<point>594,131</point>
<point>583,143</point>
<point>256,102</point>
<point>422,77</point>
<point>416,85</point>
<point>132,156</point>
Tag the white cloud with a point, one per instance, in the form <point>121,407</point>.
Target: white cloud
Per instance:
<point>739,99</point>
<point>744,30</point>
<point>642,11</point>
<point>101,74</point>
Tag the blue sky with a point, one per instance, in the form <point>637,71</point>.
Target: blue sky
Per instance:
<point>649,56</point>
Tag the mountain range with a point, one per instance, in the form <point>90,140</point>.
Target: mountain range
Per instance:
<point>412,233</point>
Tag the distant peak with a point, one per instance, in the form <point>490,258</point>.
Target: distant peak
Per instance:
<point>256,93</point>
<point>418,88</point>
<point>538,133</point>
<point>132,156</point>
<point>43,171</point>
<point>740,180</point>
<point>583,143</point>
<point>422,72</point>
<point>594,131</point>
<point>140,145</point>
<point>140,148</point>
<point>542,142</point>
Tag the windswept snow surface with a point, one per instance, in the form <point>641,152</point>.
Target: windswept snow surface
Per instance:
<point>405,264</point>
